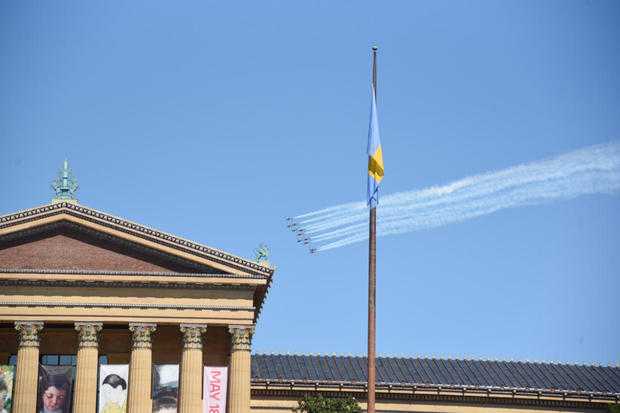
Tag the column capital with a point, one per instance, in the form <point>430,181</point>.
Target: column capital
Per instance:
<point>192,334</point>
<point>29,333</point>
<point>241,336</point>
<point>142,334</point>
<point>88,333</point>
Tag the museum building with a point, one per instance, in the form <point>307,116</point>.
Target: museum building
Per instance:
<point>84,288</point>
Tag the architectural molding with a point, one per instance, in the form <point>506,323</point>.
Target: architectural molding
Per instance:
<point>125,284</point>
<point>130,273</point>
<point>280,390</point>
<point>126,305</point>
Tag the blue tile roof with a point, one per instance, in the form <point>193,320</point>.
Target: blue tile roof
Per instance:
<point>504,375</point>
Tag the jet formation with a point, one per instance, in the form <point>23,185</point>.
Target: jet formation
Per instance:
<point>300,234</point>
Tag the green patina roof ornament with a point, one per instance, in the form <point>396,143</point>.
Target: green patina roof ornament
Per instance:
<point>65,185</point>
<point>262,253</point>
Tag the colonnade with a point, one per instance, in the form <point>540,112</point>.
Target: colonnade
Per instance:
<point>140,365</point>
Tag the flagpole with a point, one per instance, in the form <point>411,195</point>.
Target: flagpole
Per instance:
<point>372,284</point>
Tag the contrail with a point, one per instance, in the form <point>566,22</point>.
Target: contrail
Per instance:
<point>590,170</point>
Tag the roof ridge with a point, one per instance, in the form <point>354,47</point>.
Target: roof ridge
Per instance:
<point>395,356</point>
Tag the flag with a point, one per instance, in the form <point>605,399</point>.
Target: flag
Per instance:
<point>375,155</point>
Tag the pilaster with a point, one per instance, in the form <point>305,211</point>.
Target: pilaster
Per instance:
<point>85,393</point>
<point>240,364</point>
<point>190,386</point>
<point>139,396</point>
<point>29,337</point>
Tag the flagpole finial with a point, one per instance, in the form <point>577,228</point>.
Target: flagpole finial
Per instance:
<point>375,47</point>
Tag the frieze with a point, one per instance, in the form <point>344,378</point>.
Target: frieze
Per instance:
<point>29,333</point>
<point>142,334</point>
<point>241,337</point>
<point>88,334</point>
<point>193,335</point>
<point>135,227</point>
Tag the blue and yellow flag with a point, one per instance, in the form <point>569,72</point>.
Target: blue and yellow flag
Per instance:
<point>375,156</point>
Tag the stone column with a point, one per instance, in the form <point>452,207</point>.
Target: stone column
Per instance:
<point>241,342</point>
<point>139,397</point>
<point>26,377</point>
<point>190,385</point>
<point>85,388</point>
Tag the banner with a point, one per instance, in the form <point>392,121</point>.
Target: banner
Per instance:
<point>55,389</point>
<point>165,388</point>
<point>214,394</point>
<point>6,388</point>
<point>113,381</point>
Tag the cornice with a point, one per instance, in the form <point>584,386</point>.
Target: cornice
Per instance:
<point>150,234</point>
<point>384,393</point>
<point>126,305</point>
<point>126,284</point>
<point>128,273</point>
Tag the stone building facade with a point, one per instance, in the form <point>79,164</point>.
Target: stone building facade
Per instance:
<point>75,281</point>
<point>82,286</point>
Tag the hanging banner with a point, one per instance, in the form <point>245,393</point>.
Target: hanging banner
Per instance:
<point>214,394</point>
<point>55,389</point>
<point>165,388</point>
<point>113,381</point>
<point>6,388</point>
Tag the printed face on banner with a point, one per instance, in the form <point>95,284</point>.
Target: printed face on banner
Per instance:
<point>54,389</point>
<point>165,388</point>
<point>6,388</point>
<point>113,381</point>
<point>214,394</point>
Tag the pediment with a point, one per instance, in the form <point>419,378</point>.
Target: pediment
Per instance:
<point>73,237</point>
<point>70,247</point>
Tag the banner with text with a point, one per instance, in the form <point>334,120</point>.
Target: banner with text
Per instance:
<point>113,382</point>
<point>214,395</point>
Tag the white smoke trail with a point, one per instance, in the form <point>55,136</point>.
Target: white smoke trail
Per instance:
<point>590,170</point>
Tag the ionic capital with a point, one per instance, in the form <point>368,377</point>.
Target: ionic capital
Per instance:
<point>88,334</point>
<point>193,334</point>
<point>241,337</point>
<point>29,333</point>
<point>142,334</point>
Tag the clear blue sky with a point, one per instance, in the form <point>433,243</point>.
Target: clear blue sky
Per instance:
<point>214,121</point>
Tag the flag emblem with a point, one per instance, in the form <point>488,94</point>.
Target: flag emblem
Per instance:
<point>375,155</point>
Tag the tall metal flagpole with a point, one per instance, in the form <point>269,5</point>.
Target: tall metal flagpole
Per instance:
<point>372,284</point>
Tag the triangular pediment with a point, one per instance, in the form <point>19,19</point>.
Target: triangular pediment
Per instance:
<point>68,236</point>
<point>71,247</point>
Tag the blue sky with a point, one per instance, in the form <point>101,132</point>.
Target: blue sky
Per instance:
<point>214,121</point>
